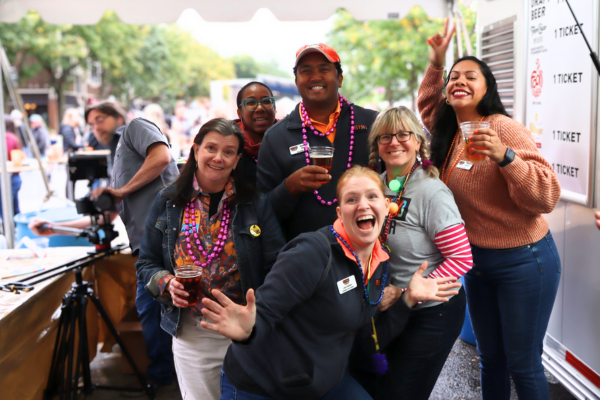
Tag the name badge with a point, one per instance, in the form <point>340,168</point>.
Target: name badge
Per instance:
<point>299,148</point>
<point>347,284</point>
<point>466,165</point>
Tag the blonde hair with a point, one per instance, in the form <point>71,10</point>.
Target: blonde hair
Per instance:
<point>69,115</point>
<point>155,114</point>
<point>358,170</point>
<point>393,120</point>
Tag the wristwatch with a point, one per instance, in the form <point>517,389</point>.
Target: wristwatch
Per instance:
<point>509,157</point>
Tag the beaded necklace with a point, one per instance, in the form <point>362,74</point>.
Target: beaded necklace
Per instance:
<point>397,202</point>
<point>192,229</point>
<point>385,271</point>
<point>306,122</point>
<point>455,161</point>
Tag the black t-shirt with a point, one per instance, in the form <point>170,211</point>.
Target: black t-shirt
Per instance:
<point>215,198</point>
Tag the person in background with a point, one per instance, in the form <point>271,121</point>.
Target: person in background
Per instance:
<point>210,217</point>
<point>424,225</point>
<point>323,118</point>
<point>40,133</point>
<point>256,112</point>
<point>513,283</point>
<point>69,129</point>
<point>104,119</point>
<point>17,118</point>
<point>12,143</point>
<point>292,340</point>
<point>154,113</point>
<point>142,166</point>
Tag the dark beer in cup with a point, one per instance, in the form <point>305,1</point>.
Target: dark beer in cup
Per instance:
<point>189,276</point>
<point>321,156</point>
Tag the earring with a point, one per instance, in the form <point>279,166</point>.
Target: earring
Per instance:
<point>447,102</point>
<point>378,158</point>
<point>196,164</point>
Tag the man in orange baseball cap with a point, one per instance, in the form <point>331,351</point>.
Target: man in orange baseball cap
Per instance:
<point>323,118</point>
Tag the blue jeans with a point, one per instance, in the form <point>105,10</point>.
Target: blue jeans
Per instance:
<point>348,389</point>
<point>510,294</point>
<point>158,342</point>
<point>15,185</point>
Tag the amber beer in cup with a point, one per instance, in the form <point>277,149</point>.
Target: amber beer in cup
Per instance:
<point>189,276</point>
<point>321,156</point>
<point>467,129</point>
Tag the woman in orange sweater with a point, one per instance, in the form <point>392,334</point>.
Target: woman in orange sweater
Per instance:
<point>516,271</point>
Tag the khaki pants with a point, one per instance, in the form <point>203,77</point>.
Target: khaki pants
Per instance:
<point>198,355</point>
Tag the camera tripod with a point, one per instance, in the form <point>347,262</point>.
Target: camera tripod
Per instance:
<point>69,364</point>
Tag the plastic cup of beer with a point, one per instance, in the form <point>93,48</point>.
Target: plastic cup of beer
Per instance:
<point>321,156</point>
<point>467,129</point>
<point>189,277</point>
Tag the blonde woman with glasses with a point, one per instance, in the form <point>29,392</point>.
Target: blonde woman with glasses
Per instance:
<point>424,226</point>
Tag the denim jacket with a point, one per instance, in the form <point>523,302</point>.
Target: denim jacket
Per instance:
<point>255,254</point>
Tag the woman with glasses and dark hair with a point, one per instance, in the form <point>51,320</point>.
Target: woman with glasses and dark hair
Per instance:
<point>513,284</point>
<point>210,218</point>
<point>424,225</point>
<point>256,112</point>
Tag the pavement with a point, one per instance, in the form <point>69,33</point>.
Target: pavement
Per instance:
<point>458,380</point>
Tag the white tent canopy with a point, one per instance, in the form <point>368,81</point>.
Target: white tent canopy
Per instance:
<point>86,12</point>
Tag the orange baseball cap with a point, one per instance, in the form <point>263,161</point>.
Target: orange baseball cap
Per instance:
<point>322,48</point>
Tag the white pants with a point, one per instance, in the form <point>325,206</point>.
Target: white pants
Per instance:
<point>198,355</point>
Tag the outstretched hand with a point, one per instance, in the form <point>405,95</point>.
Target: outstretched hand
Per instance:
<point>423,289</point>
<point>439,44</point>
<point>230,319</point>
<point>597,215</point>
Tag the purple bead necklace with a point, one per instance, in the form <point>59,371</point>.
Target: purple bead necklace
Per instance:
<point>306,122</point>
<point>191,232</point>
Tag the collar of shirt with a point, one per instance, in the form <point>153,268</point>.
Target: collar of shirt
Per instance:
<point>321,127</point>
<point>229,190</point>
<point>379,255</point>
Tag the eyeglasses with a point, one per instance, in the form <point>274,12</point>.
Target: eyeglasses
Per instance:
<point>401,136</point>
<point>252,104</point>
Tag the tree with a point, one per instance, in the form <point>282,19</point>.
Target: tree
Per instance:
<point>33,46</point>
<point>157,62</point>
<point>388,55</point>
<point>247,67</point>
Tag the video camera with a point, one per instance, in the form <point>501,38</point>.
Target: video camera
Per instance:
<point>91,167</point>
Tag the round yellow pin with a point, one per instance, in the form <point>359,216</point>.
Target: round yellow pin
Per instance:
<point>255,230</point>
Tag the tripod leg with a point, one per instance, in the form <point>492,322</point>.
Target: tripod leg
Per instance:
<point>52,385</point>
<point>84,358</point>
<point>71,350</point>
<point>146,387</point>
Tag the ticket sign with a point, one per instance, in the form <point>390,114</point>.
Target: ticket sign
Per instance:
<point>560,79</point>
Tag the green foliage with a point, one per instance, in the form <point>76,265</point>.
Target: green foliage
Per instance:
<point>158,62</point>
<point>247,67</point>
<point>388,54</point>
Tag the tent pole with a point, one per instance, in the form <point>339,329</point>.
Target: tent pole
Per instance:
<point>7,206</point>
<point>18,103</point>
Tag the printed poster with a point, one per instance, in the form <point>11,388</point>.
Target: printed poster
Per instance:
<point>560,75</point>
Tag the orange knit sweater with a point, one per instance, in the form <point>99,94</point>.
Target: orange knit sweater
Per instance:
<point>501,207</point>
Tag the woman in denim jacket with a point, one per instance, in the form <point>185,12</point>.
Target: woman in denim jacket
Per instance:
<point>211,218</point>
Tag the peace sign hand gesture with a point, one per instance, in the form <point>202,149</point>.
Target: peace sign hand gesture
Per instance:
<point>439,45</point>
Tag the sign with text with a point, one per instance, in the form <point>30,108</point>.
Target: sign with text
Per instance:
<point>560,75</point>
